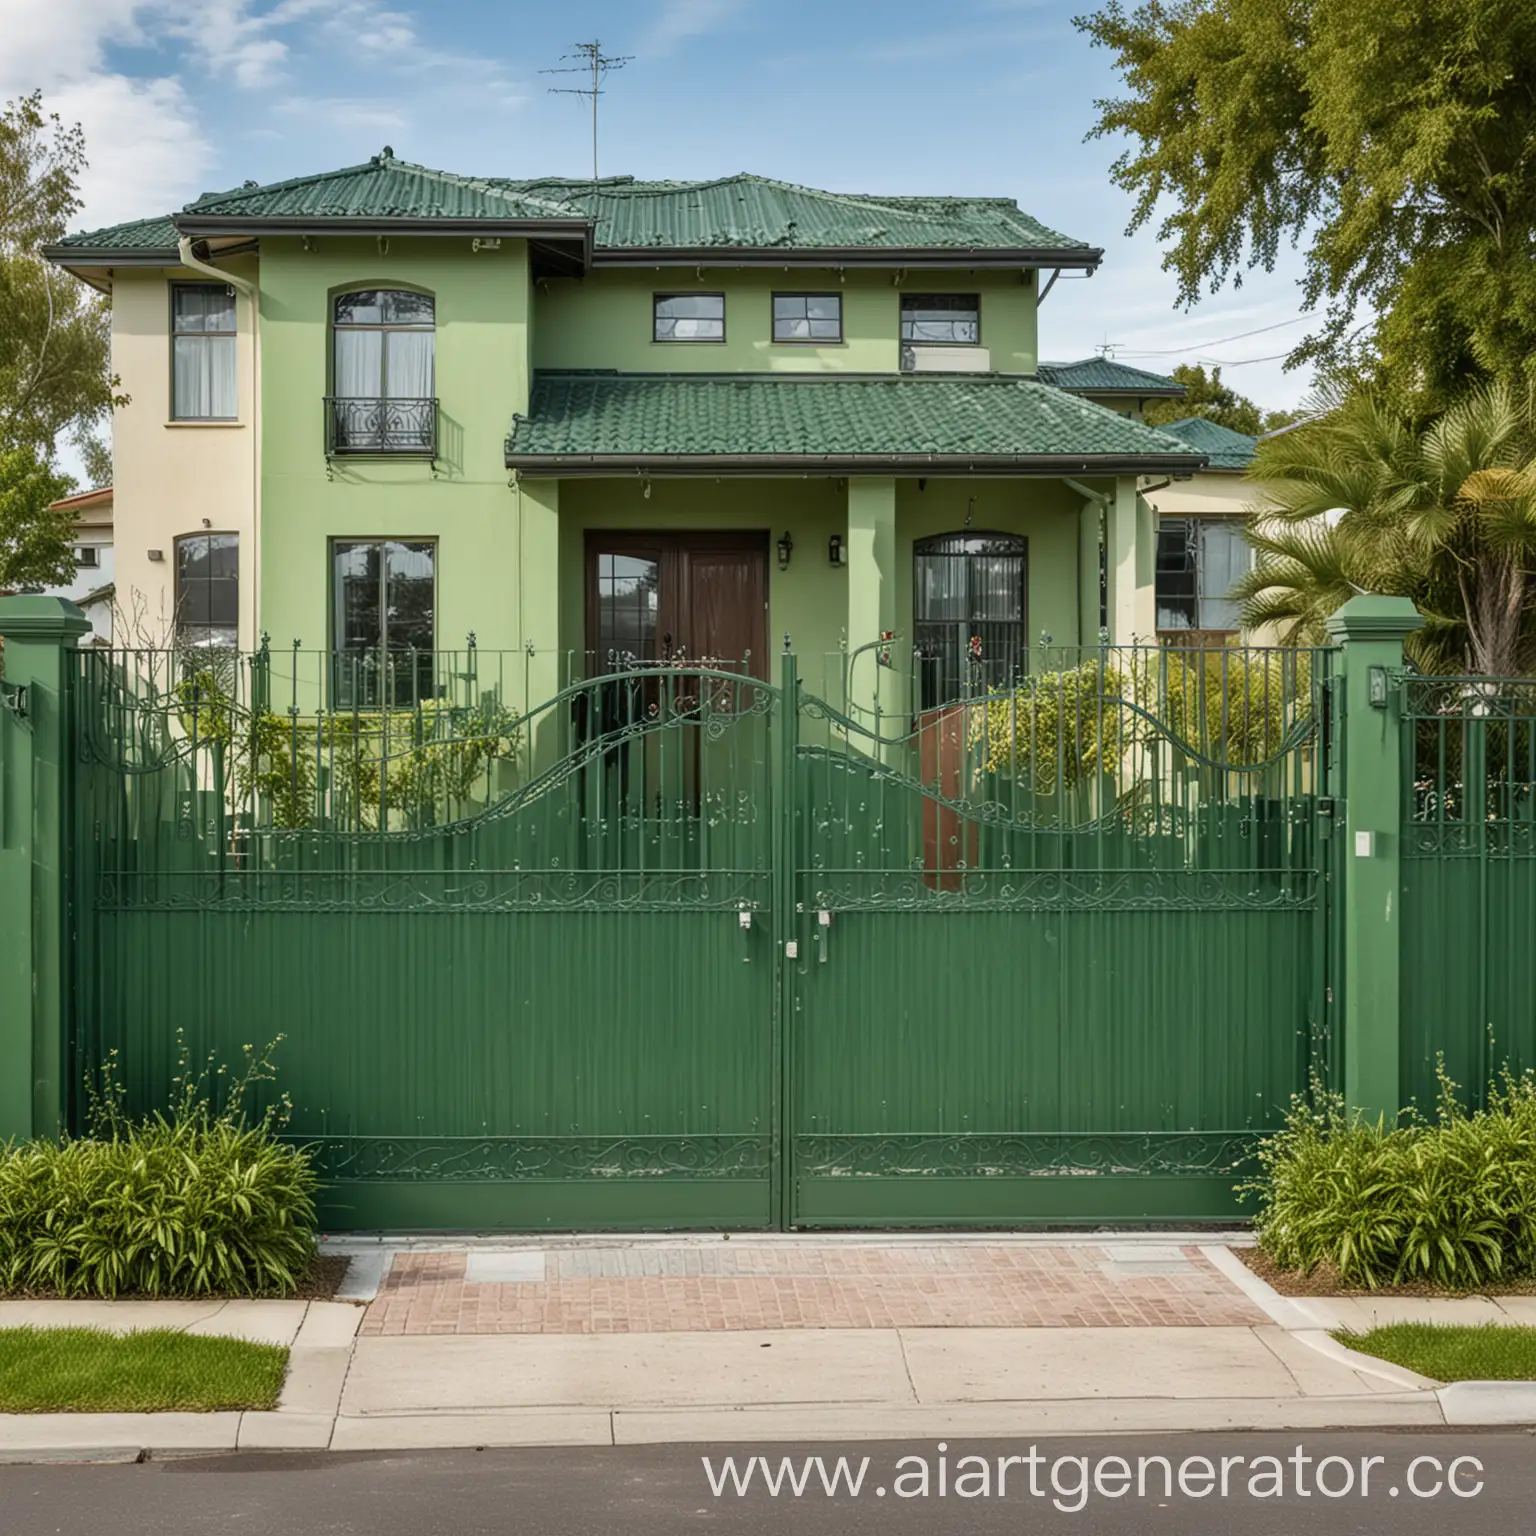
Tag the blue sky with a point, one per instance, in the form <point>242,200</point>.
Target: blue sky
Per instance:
<point>975,96</point>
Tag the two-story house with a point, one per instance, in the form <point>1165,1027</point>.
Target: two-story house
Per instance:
<point>385,406</point>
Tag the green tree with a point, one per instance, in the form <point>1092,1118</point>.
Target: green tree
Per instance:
<point>1395,141</point>
<point>1364,498</point>
<point>34,538</point>
<point>1205,395</point>
<point>55,377</point>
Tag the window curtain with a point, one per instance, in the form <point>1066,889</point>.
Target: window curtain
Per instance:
<point>359,370</point>
<point>1224,556</point>
<point>409,372</point>
<point>204,377</point>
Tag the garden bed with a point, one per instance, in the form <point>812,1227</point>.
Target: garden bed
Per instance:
<point>156,1370</point>
<point>1325,1281</point>
<point>319,1282</point>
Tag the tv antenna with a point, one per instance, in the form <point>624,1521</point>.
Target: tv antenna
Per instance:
<point>590,60</point>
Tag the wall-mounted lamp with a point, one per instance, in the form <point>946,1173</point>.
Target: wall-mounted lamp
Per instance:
<point>156,554</point>
<point>786,548</point>
<point>835,551</point>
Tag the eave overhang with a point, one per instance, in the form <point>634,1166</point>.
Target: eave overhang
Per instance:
<point>565,466</point>
<point>922,258</point>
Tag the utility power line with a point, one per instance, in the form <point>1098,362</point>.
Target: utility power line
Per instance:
<point>591,60</point>
<point>1280,325</point>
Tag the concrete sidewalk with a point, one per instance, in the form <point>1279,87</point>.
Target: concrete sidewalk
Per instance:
<point>1252,1360</point>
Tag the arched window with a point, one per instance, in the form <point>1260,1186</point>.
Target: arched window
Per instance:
<point>382,386</point>
<point>968,602</point>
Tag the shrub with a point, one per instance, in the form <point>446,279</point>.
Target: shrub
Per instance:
<point>1451,1200</point>
<point>1055,730</point>
<point>189,1201</point>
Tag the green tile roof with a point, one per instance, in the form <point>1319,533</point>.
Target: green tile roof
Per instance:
<point>730,213</point>
<point>603,421</point>
<point>758,212</point>
<point>138,235</point>
<point>1224,448</point>
<point>382,187</point>
<point>1104,376</point>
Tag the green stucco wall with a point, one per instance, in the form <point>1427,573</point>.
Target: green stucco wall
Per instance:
<point>482,378</point>
<point>604,320</point>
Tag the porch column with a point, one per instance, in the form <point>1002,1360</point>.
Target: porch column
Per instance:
<point>34,786</point>
<point>1090,531</point>
<point>1372,631</point>
<point>1132,595</point>
<point>872,592</point>
<point>538,588</point>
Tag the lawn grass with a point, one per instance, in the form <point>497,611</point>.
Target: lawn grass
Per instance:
<point>1452,1351</point>
<point>87,1370</point>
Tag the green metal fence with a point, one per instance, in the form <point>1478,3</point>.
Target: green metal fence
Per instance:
<point>681,947</point>
<point>1469,881</point>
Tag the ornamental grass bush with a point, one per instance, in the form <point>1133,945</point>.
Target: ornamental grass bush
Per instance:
<point>197,1199</point>
<point>1448,1200</point>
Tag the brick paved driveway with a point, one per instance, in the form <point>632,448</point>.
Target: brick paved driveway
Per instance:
<point>660,1288</point>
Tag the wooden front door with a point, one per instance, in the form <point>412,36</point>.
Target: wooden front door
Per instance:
<point>679,598</point>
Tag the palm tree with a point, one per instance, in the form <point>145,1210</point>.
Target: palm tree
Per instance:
<point>1363,499</point>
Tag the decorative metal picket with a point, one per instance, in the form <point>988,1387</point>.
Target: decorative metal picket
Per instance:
<point>1469,882</point>
<point>680,947</point>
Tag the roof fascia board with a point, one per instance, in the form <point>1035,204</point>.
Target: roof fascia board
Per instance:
<point>571,466</point>
<point>920,258</point>
<point>1123,392</point>
<point>110,256</point>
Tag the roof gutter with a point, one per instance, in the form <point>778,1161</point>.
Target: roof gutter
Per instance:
<point>660,465</point>
<point>252,293</point>
<point>920,258</point>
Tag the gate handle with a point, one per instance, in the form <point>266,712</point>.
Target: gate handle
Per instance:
<point>823,932</point>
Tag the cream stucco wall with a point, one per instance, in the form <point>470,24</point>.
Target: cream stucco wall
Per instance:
<point>175,478</point>
<point>1208,495</point>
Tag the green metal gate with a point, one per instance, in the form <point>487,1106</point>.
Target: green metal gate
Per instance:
<point>1063,950</point>
<point>680,948</point>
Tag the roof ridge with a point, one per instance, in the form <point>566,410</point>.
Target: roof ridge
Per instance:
<point>385,159</point>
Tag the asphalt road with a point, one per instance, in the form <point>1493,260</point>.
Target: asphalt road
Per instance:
<point>661,1490</point>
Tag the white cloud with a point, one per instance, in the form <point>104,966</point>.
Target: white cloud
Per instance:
<point>146,153</point>
<point>680,20</point>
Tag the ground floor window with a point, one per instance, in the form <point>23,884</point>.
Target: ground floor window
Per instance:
<point>1198,561</point>
<point>383,625</point>
<point>968,594</point>
<point>207,589</point>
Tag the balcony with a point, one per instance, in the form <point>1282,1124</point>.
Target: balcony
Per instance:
<point>357,427</point>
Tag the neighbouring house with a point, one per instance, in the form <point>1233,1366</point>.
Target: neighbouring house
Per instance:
<point>92,589</point>
<point>1201,548</point>
<point>1116,386</point>
<point>385,406</point>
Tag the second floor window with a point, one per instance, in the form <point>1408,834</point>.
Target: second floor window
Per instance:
<point>941,319</point>
<point>807,317</point>
<point>382,373</point>
<point>202,352</point>
<point>208,589</point>
<point>689,317</point>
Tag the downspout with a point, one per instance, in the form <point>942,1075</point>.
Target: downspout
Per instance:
<point>252,293</point>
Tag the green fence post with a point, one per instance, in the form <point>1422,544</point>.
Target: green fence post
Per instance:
<point>34,775</point>
<point>1371,631</point>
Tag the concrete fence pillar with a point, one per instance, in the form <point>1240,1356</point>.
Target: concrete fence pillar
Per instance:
<point>39,633</point>
<point>1371,631</point>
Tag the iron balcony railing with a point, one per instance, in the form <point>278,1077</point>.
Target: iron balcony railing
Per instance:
<point>396,428</point>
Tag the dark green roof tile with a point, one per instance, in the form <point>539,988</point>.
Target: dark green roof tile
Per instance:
<point>733,212</point>
<point>612,417</point>
<point>137,235</point>
<point>1224,448</point>
<point>1104,376</point>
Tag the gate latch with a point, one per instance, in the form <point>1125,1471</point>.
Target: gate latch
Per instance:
<point>745,918</point>
<point>13,696</point>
